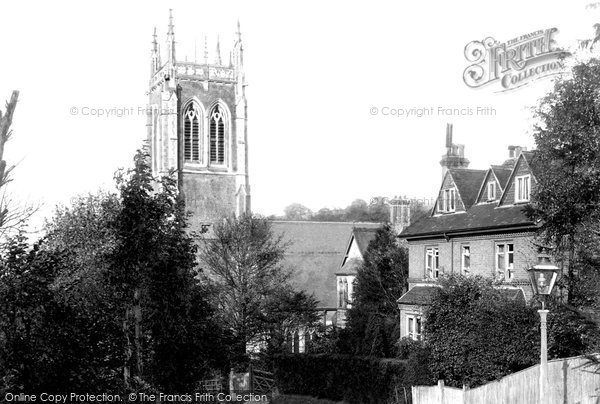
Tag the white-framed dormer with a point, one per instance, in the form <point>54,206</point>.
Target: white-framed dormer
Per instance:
<point>522,188</point>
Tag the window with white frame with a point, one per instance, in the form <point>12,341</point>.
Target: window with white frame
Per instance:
<point>491,191</point>
<point>448,202</point>
<point>466,259</point>
<point>432,262</point>
<point>505,259</point>
<point>522,188</point>
<point>413,326</point>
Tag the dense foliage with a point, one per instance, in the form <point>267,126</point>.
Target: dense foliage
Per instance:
<point>373,319</point>
<point>566,198</point>
<point>350,378</point>
<point>109,299</point>
<point>477,334</point>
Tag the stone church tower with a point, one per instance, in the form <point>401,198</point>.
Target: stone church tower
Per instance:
<point>197,126</point>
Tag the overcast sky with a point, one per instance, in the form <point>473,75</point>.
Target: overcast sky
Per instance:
<point>315,69</point>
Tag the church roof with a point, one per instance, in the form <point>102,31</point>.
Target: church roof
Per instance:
<point>364,236</point>
<point>315,253</point>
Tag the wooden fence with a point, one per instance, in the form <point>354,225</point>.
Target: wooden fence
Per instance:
<point>570,381</point>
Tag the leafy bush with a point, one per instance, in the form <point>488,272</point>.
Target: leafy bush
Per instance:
<point>418,357</point>
<point>340,377</point>
<point>476,334</point>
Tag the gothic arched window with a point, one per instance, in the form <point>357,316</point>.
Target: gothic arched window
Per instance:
<point>217,135</point>
<point>340,294</point>
<point>345,293</point>
<point>191,133</point>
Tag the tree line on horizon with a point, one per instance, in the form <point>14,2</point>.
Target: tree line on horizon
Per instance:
<point>375,211</point>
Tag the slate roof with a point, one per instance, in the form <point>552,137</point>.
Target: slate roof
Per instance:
<point>468,183</point>
<point>350,267</point>
<point>488,217</point>
<point>531,161</point>
<point>315,253</point>
<point>418,295</point>
<point>364,236</point>
<point>421,295</point>
<point>503,174</point>
<point>478,217</point>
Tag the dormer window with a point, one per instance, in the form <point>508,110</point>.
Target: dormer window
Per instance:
<point>491,191</point>
<point>522,188</point>
<point>448,200</point>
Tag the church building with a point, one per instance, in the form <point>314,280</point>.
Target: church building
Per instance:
<point>197,127</point>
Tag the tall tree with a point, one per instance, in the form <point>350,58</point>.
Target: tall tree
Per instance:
<point>380,281</point>
<point>167,324</point>
<point>12,215</point>
<point>566,199</point>
<point>243,263</point>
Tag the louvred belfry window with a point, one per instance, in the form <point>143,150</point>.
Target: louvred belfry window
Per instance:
<point>191,133</point>
<point>217,136</point>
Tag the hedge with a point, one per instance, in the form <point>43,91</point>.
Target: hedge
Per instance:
<point>353,379</point>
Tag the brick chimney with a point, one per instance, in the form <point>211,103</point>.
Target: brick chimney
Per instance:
<point>515,151</point>
<point>455,153</point>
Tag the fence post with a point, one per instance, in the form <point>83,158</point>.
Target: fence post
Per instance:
<point>441,389</point>
<point>251,377</point>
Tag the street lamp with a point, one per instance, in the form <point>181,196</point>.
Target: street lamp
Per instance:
<point>543,277</point>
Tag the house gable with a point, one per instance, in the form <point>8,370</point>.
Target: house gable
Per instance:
<point>484,193</point>
<point>449,199</point>
<point>358,243</point>
<point>521,169</point>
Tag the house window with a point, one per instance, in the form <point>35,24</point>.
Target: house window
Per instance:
<point>522,188</point>
<point>217,136</point>
<point>413,326</point>
<point>505,258</point>
<point>432,262</point>
<point>191,133</point>
<point>491,191</point>
<point>340,294</point>
<point>448,200</point>
<point>466,259</point>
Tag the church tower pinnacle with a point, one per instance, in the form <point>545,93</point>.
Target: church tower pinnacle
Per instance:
<point>197,127</point>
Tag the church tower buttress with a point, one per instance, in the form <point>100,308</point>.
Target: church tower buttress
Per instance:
<point>197,126</point>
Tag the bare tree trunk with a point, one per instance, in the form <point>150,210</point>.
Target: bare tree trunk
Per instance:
<point>128,350</point>
<point>5,132</point>
<point>571,272</point>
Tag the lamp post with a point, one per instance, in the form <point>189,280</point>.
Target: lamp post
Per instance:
<point>543,277</point>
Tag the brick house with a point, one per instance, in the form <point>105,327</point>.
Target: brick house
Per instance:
<point>477,227</point>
